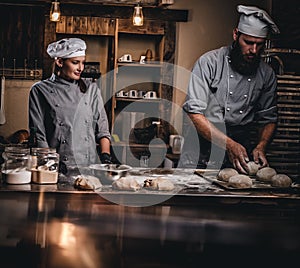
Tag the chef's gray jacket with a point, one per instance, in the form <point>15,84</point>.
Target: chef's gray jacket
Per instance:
<point>67,119</point>
<point>225,96</point>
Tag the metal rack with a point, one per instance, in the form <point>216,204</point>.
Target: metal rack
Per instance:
<point>284,151</point>
<point>21,73</point>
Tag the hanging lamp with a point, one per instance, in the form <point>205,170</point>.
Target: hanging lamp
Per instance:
<point>55,11</point>
<point>138,18</point>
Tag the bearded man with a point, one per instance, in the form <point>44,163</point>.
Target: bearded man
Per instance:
<point>230,89</point>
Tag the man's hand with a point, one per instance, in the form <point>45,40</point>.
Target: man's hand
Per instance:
<point>238,156</point>
<point>265,136</point>
<point>259,157</point>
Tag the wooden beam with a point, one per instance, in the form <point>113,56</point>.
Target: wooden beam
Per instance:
<point>124,12</point>
<point>109,11</point>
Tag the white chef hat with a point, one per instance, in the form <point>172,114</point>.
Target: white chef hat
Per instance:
<point>67,48</point>
<point>255,22</point>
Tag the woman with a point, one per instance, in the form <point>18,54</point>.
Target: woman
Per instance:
<point>67,111</point>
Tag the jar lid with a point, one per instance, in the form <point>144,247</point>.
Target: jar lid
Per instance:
<point>43,150</point>
<point>17,149</point>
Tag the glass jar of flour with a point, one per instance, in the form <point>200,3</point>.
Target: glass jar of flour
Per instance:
<point>44,163</point>
<point>15,169</point>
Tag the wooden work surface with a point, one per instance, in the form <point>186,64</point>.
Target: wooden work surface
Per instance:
<point>60,226</point>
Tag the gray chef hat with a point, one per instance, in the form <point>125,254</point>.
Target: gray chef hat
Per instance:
<point>67,48</point>
<point>255,22</point>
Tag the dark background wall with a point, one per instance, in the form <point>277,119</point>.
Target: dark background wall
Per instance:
<point>21,34</point>
<point>22,30</point>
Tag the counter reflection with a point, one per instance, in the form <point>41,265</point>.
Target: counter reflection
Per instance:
<point>84,230</point>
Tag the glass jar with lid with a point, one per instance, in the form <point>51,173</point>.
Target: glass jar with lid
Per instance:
<point>15,169</point>
<point>44,164</point>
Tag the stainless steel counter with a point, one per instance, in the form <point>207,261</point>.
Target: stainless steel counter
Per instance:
<point>60,226</point>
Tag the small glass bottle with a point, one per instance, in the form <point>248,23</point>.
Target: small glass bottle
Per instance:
<point>144,159</point>
<point>15,169</point>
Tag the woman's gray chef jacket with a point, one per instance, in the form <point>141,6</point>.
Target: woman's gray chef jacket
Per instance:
<point>225,96</point>
<point>67,119</point>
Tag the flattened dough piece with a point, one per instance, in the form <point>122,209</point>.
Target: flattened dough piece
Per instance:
<point>240,181</point>
<point>265,174</point>
<point>126,184</point>
<point>225,173</point>
<point>160,183</point>
<point>281,180</point>
<point>252,168</point>
<point>87,182</point>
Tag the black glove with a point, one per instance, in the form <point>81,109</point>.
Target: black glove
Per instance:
<point>105,158</point>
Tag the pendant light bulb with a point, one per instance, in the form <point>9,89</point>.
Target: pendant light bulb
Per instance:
<point>138,18</point>
<point>55,11</point>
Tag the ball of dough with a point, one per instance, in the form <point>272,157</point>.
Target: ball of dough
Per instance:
<point>265,174</point>
<point>225,173</point>
<point>160,183</point>
<point>252,168</point>
<point>281,180</point>
<point>126,184</point>
<point>87,182</point>
<point>240,181</point>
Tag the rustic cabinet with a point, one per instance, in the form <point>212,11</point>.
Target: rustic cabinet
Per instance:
<point>137,99</point>
<point>86,25</point>
<point>133,88</point>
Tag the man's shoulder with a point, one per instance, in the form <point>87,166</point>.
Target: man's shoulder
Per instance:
<point>215,54</point>
<point>266,70</point>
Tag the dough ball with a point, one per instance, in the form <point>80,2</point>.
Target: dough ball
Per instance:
<point>160,183</point>
<point>281,180</point>
<point>87,182</point>
<point>240,181</point>
<point>265,174</point>
<point>225,173</point>
<point>252,168</point>
<point>126,184</point>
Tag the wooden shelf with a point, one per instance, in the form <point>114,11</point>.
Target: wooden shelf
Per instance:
<point>139,145</point>
<point>136,64</point>
<point>138,99</point>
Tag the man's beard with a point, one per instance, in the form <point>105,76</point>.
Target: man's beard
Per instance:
<point>240,64</point>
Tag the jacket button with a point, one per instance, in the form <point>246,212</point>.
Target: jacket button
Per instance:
<point>65,158</point>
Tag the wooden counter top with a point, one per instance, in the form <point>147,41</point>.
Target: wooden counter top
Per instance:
<point>60,226</point>
<point>189,186</point>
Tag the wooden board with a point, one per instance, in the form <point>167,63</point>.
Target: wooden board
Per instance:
<point>86,25</point>
<point>257,185</point>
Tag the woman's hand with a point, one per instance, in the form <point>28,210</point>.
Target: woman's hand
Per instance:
<point>105,158</point>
